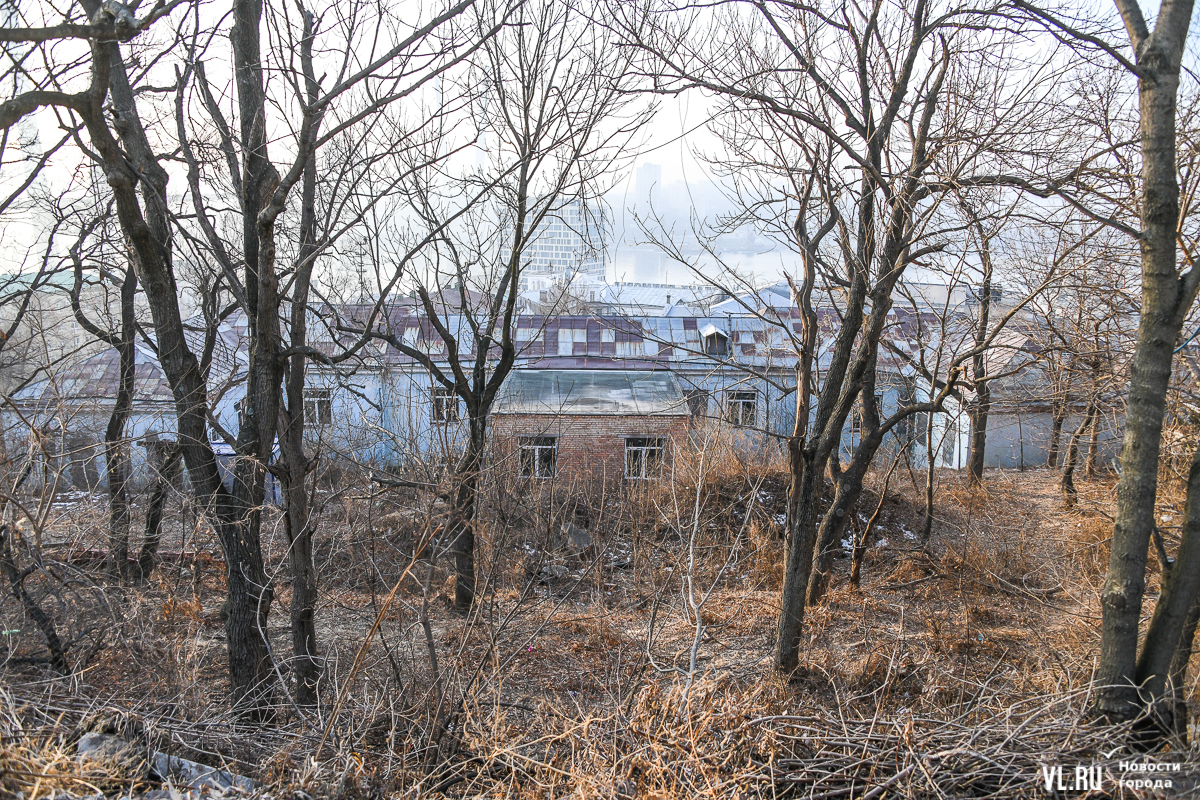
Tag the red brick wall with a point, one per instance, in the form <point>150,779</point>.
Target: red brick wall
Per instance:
<point>590,448</point>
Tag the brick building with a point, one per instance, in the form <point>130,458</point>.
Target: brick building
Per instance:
<point>589,425</point>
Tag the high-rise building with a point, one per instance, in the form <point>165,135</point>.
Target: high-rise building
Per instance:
<point>571,241</point>
<point>647,178</point>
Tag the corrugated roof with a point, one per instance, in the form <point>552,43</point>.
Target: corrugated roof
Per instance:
<point>97,377</point>
<point>588,392</point>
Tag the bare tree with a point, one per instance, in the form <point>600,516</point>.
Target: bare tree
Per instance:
<point>1155,58</point>
<point>122,340</point>
<point>129,153</point>
<point>553,120</point>
<point>982,406</point>
<point>859,120</point>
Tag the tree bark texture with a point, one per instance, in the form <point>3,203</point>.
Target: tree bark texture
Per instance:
<point>462,516</point>
<point>1166,296</point>
<point>306,664</point>
<point>1058,415</point>
<point>1067,482</point>
<point>983,391</point>
<point>116,448</point>
<point>1162,665</point>
<point>803,496</point>
<point>166,464</point>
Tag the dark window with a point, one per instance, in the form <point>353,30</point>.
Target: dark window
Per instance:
<point>697,402</point>
<point>539,456</point>
<point>950,442</point>
<point>445,405</point>
<point>318,410</point>
<point>920,430</point>
<point>643,457</point>
<point>716,344</point>
<point>740,407</point>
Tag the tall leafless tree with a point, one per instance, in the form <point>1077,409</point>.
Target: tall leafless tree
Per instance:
<point>129,153</point>
<point>1155,58</point>
<point>553,119</point>
<point>865,119</point>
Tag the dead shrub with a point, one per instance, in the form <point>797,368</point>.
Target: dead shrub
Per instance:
<point>886,677</point>
<point>1088,542</point>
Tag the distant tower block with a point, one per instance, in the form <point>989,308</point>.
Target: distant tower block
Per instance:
<point>647,180</point>
<point>570,242</point>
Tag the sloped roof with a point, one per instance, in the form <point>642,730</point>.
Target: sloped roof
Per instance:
<point>578,392</point>
<point>97,377</point>
<point>777,296</point>
<point>613,341</point>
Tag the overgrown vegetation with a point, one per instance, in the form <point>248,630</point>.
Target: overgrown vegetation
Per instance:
<point>292,244</point>
<point>631,666</point>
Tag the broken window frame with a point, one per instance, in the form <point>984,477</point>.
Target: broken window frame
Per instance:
<point>644,457</point>
<point>538,457</point>
<point>445,405</point>
<point>318,407</point>
<point>741,407</point>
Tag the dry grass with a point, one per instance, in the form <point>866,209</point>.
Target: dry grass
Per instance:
<point>954,670</point>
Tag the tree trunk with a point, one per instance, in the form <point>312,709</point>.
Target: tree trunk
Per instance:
<point>983,392</point>
<point>1165,299</point>
<point>296,467</point>
<point>1067,482</point>
<point>1058,412</point>
<point>1093,458</point>
<point>306,664</point>
<point>849,490</point>
<point>803,496</point>
<point>1187,646</point>
<point>136,178</point>
<point>979,421</point>
<point>1163,662</point>
<point>166,464</point>
<point>116,449</point>
<point>927,522</point>
<point>833,526</point>
<point>462,516</point>
<point>248,602</point>
<point>1179,670</point>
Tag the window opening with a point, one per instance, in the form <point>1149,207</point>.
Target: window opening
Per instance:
<point>445,405</point>
<point>318,409</point>
<point>740,408</point>
<point>539,456</point>
<point>643,457</point>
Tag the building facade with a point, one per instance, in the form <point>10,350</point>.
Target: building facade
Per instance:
<point>569,242</point>
<point>589,426</point>
<point>601,396</point>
